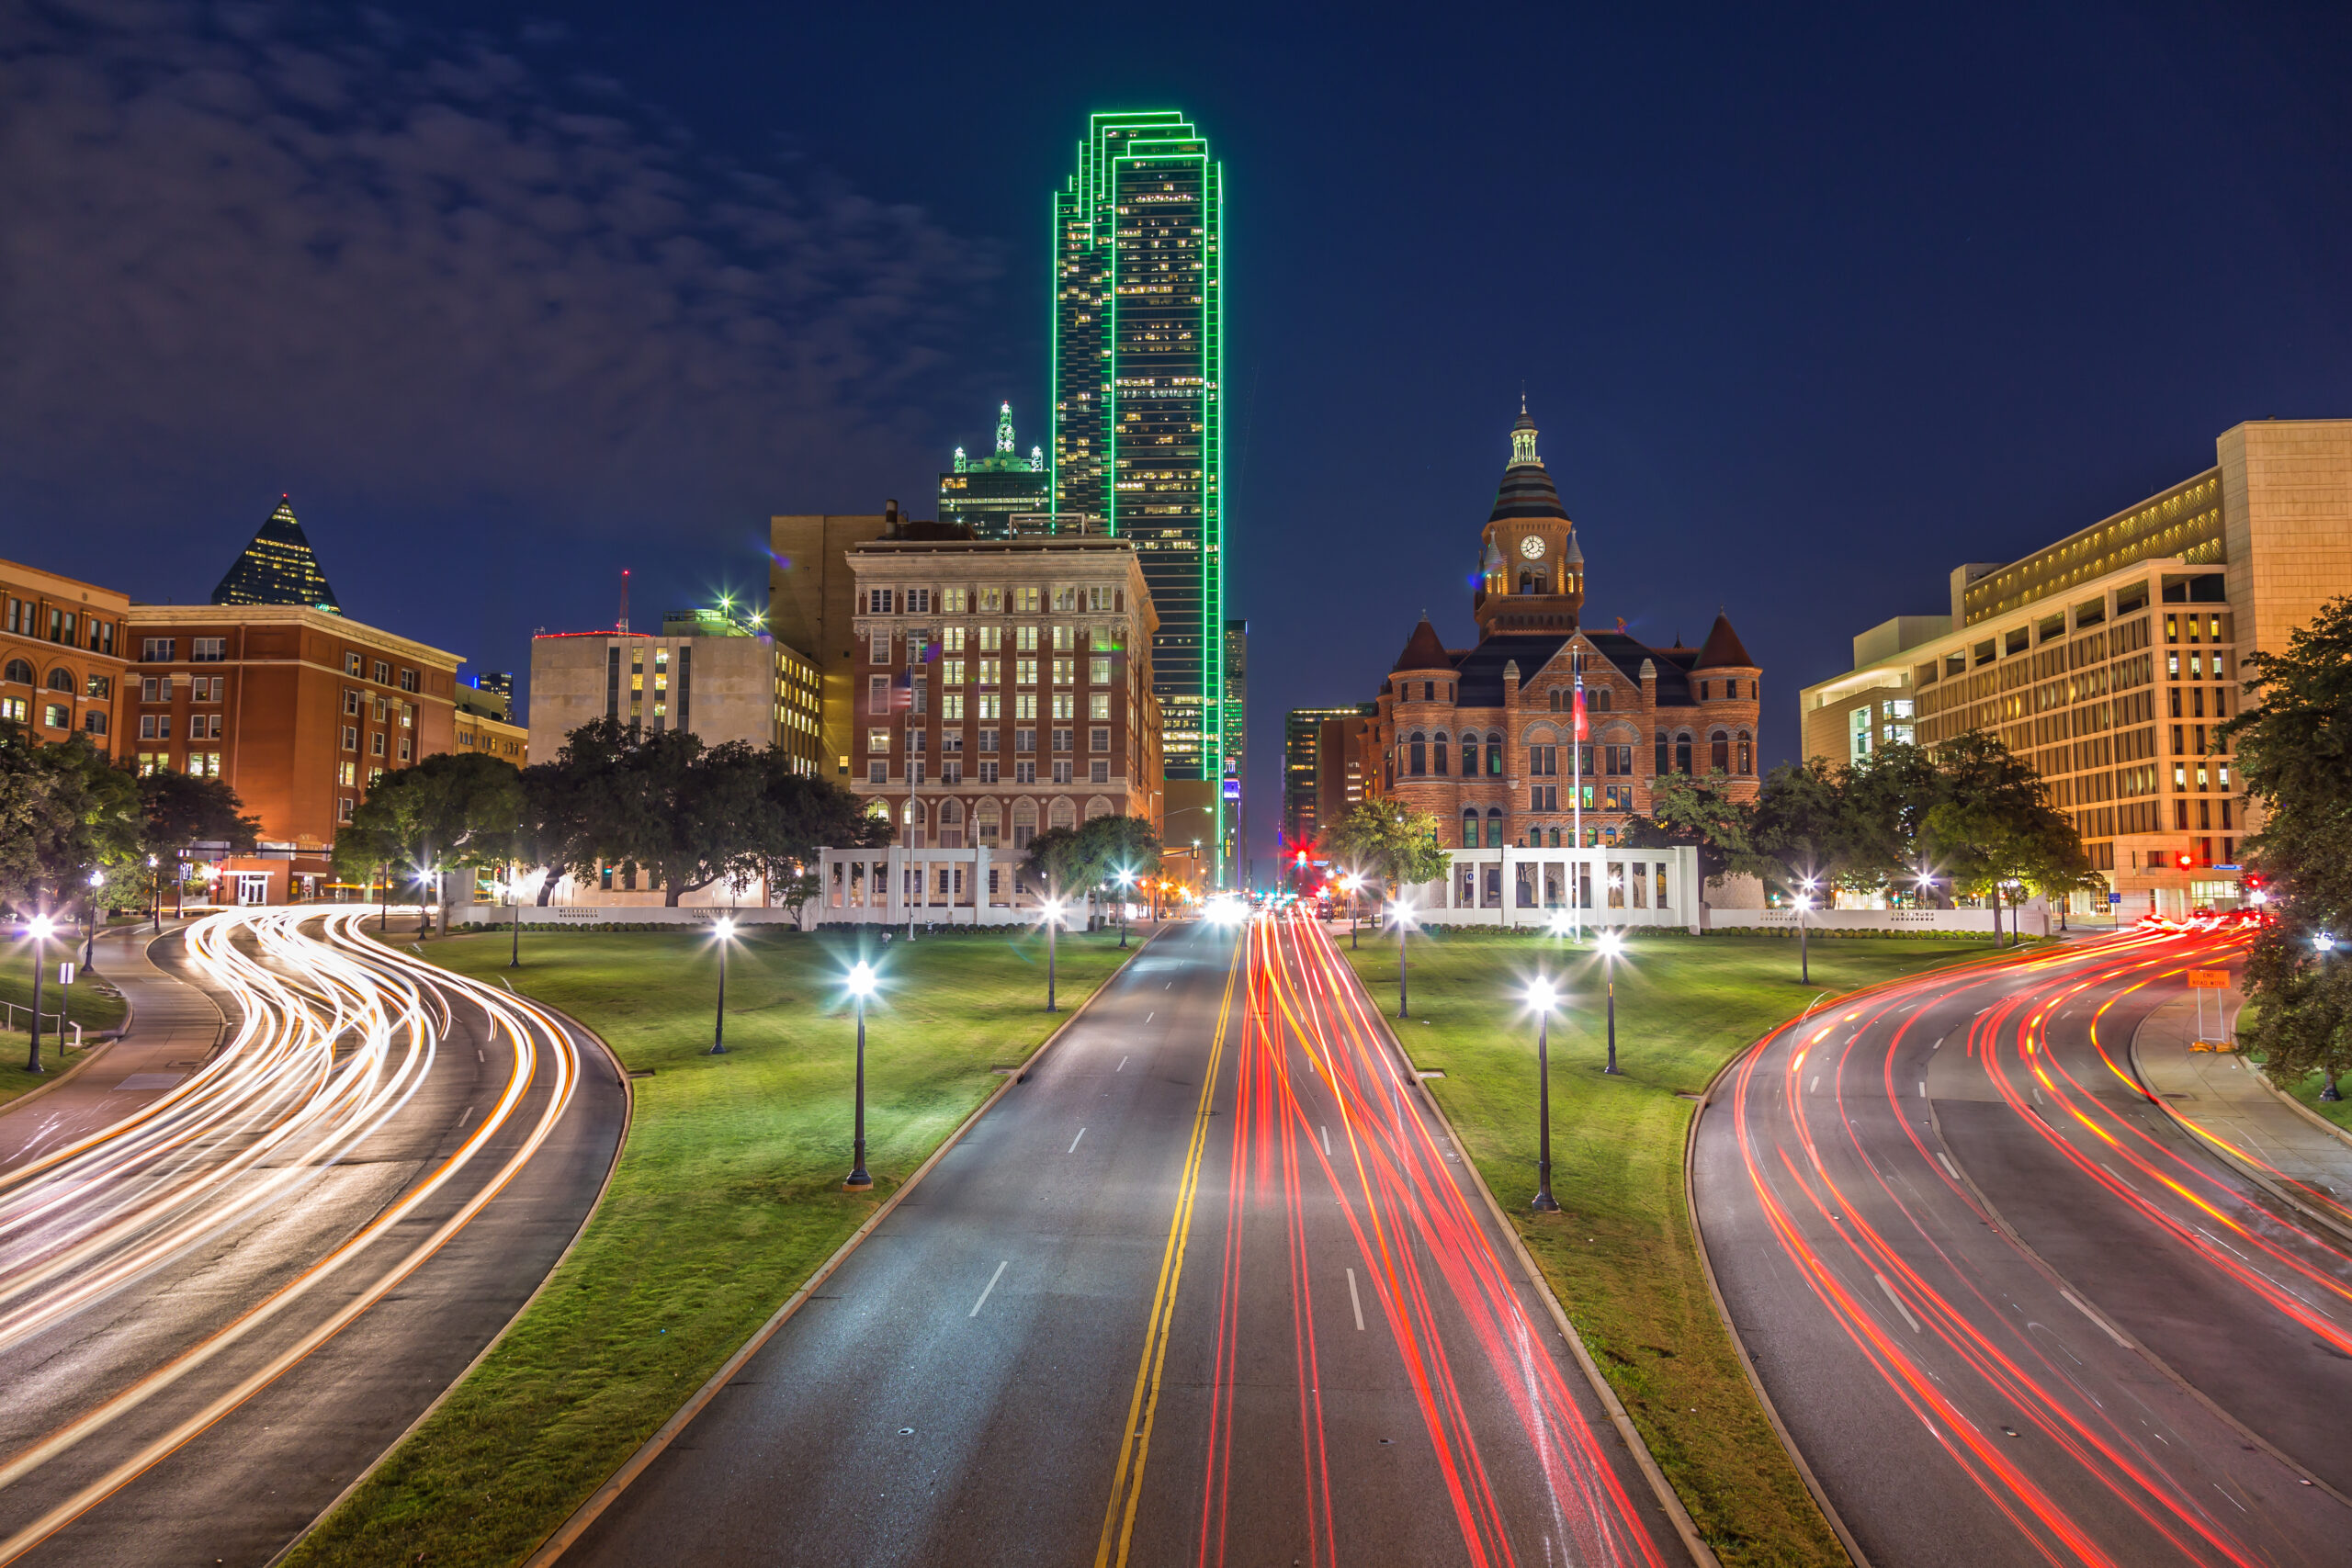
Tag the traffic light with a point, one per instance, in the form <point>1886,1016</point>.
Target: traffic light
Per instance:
<point>2187,861</point>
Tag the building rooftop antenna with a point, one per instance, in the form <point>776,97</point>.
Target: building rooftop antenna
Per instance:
<point>623,624</point>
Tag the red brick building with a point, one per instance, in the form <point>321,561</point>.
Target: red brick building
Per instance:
<point>1485,738</point>
<point>62,656</point>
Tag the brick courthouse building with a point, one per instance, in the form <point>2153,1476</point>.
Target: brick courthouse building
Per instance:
<point>1485,738</point>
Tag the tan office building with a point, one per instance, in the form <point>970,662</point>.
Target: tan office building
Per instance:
<point>1004,687</point>
<point>2108,658</point>
<point>725,687</point>
<point>811,589</point>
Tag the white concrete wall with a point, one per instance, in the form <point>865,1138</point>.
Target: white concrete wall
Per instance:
<point>1553,880</point>
<point>2031,921</point>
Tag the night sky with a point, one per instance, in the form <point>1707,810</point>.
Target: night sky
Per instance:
<point>1809,309</point>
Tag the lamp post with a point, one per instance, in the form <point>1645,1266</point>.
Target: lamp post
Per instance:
<point>515,896</point>
<point>1402,913</point>
<point>1611,945</point>
<point>1804,963</point>
<point>861,986</point>
<point>1348,884</point>
<point>424,921</point>
<point>38,929</point>
<point>2323,943</point>
<point>1541,996</point>
<point>724,931</point>
<point>1053,917</point>
<point>90,918</point>
<point>155,884</point>
<point>1127,881</point>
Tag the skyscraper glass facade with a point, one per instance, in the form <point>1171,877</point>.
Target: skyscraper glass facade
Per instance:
<point>1138,408</point>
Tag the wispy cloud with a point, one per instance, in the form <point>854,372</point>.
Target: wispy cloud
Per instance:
<point>417,260</point>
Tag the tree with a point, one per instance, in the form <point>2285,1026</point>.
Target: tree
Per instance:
<point>1386,839</point>
<point>1120,843</point>
<point>2294,751</point>
<point>804,814</point>
<point>65,811</point>
<point>1996,825</point>
<point>1692,813</point>
<point>451,809</point>
<point>1888,795</point>
<point>1801,830</point>
<point>179,809</point>
<point>1060,858</point>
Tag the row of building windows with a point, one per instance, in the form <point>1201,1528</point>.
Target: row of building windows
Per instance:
<point>53,716</point>
<point>987,770</point>
<point>20,673</point>
<point>1100,598</point>
<point>1729,752</point>
<point>73,628</point>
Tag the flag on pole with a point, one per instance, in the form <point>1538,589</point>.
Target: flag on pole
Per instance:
<point>1582,732</point>
<point>902,691</point>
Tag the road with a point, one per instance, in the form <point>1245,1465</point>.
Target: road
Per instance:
<point>2010,1310</point>
<point>1209,1287</point>
<point>223,1304</point>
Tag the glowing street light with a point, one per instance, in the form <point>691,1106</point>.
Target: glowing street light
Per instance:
<point>1400,914</point>
<point>1543,999</point>
<point>1052,913</point>
<point>1350,884</point>
<point>90,918</point>
<point>1612,946</point>
<point>39,929</point>
<point>1127,884</point>
<point>861,982</point>
<point>1804,902</point>
<point>725,933</point>
<point>156,889</point>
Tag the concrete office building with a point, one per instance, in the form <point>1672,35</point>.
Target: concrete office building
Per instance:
<point>721,688</point>
<point>1305,770</point>
<point>485,720</point>
<point>2108,658</point>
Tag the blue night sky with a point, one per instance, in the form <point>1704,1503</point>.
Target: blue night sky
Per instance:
<point>1810,305</point>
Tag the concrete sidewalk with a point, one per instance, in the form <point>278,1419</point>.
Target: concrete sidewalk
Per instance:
<point>173,1026</point>
<point>2221,1098</point>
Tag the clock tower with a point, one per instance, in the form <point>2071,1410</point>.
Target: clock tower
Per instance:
<point>1531,573</point>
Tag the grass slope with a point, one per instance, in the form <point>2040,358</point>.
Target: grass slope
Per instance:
<point>1620,1255</point>
<point>91,1008</point>
<point>727,1196</point>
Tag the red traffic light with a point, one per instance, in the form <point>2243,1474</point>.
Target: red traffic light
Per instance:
<point>2186,862</point>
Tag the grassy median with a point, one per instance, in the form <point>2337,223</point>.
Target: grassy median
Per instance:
<point>1620,1254</point>
<point>727,1198</point>
<point>92,1007</point>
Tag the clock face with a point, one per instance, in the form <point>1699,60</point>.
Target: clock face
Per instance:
<point>1532,547</point>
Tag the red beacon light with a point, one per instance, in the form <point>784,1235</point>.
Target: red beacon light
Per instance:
<point>2187,861</point>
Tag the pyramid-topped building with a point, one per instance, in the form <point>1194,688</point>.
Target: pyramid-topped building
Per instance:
<point>1549,730</point>
<point>277,568</point>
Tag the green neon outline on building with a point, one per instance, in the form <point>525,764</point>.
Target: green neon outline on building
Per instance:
<point>1085,402</point>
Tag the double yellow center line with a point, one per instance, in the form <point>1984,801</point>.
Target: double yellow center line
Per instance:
<point>1135,1440</point>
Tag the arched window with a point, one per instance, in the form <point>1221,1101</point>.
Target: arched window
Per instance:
<point>1682,752</point>
<point>62,680</point>
<point>986,824</point>
<point>20,673</point>
<point>1719,752</point>
<point>1470,828</point>
<point>1437,753</point>
<point>1024,823</point>
<point>1494,828</point>
<point>1495,758</point>
<point>1556,839</point>
<point>1526,581</point>
<point>912,817</point>
<point>1663,765</point>
<point>1747,753</point>
<point>1599,700</point>
<point>951,825</point>
<point>1417,754</point>
<point>1099,806</point>
<point>1061,814</point>
<point>1469,754</point>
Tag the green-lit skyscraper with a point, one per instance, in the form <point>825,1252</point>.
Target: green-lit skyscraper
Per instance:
<point>1138,366</point>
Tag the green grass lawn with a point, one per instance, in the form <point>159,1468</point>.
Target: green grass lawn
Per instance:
<point>93,1005</point>
<point>727,1198</point>
<point>1620,1255</point>
<point>2336,1111</point>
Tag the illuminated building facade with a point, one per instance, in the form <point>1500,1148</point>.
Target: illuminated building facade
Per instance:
<point>985,495</point>
<point>1139,418</point>
<point>62,657</point>
<point>1310,760</point>
<point>1490,739</point>
<point>2108,658</point>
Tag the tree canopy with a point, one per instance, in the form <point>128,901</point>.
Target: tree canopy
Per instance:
<point>1387,839</point>
<point>65,811</point>
<point>2294,751</point>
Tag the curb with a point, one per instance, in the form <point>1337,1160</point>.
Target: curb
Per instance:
<point>2259,1177</point>
<point>628,1118</point>
<point>576,1524</point>
<point>1676,1514</point>
<point>129,1016</point>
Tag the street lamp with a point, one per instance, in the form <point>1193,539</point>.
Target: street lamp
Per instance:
<point>515,896</point>
<point>38,927</point>
<point>156,879</point>
<point>2324,943</point>
<point>1541,996</point>
<point>1348,884</point>
<point>1052,911</point>
<point>1402,914</point>
<point>90,943</point>
<point>424,876</point>
<point>861,986</point>
<point>1805,962</point>
<point>1612,947</point>
<point>1127,881</point>
<point>725,932</point>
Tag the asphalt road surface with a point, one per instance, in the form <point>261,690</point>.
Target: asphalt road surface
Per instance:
<point>1210,1287</point>
<point>223,1302</point>
<point>2009,1310</point>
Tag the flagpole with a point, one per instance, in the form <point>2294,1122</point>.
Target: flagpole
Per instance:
<point>1576,798</point>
